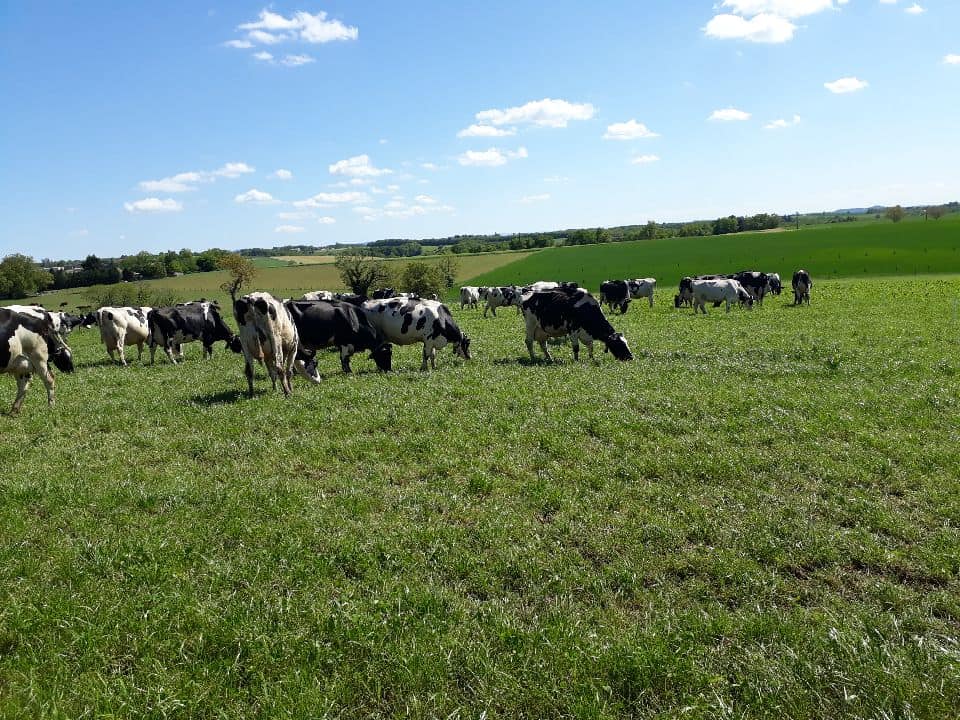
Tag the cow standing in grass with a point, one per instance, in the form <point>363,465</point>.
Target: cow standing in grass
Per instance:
<point>340,325</point>
<point>268,335</point>
<point>469,297</point>
<point>27,344</point>
<point>170,327</point>
<point>119,327</point>
<point>567,311</point>
<point>718,292</point>
<point>404,322</point>
<point>801,287</point>
<point>501,297</point>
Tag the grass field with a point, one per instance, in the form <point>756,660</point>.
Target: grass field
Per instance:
<point>307,259</point>
<point>849,250</point>
<point>758,517</point>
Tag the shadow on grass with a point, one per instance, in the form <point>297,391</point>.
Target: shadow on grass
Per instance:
<point>225,397</point>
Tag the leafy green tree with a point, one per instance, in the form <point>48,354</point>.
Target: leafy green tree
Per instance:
<point>360,271</point>
<point>896,213</point>
<point>241,271</point>
<point>448,268</point>
<point>422,278</point>
<point>20,277</point>
<point>936,212</point>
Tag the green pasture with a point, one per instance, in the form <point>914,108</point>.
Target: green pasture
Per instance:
<point>846,250</point>
<point>758,517</point>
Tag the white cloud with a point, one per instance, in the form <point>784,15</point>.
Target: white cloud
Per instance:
<point>846,85</point>
<point>181,182</point>
<point>153,205</point>
<point>326,199</point>
<point>493,157</point>
<point>781,123</point>
<point>729,115</point>
<point>783,8</point>
<point>915,9</point>
<point>263,56</point>
<point>295,215</point>
<point>272,28</point>
<point>764,28</point>
<point>358,166</point>
<point>540,113</point>
<point>296,60</point>
<point>256,197</point>
<point>951,59</point>
<point>233,170</point>
<point>326,220</point>
<point>432,167</point>
<point>240,44</point>
<point>644,159</point>
<point>288,229</point>
<point>281,174</point>
<point>630,130</point>
<point>531,199</point>
<point>425,200</point>
<point>485,131</point>
<point>556,179</point>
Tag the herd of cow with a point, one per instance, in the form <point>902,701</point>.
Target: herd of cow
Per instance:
<point>285,335</point>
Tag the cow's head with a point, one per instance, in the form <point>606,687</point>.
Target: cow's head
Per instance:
<point>745,298</point>
<point>617,344</point>
<point>382,355</point>
<point>59,351</point>
<point>462,347</point>
<point>89,320</point>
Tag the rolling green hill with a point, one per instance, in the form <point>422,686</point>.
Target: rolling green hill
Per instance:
<point>834,251</point>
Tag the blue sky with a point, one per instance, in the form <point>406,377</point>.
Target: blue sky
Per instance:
<point>128,128</point>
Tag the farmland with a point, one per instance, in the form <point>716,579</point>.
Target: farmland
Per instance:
<point>758,517</point>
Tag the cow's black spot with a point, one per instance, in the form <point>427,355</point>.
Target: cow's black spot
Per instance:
<point>407,320</point>
<point>422,321</point>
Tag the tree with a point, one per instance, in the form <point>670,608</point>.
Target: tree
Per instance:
<point>448,268</point>
<point>360,271</point>
<point>895,213</point>
<point>20,277</point>
<point>936,212</point>
<point>241,270</point>
<point>423,279</point>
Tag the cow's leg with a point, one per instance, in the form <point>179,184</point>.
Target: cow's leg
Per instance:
<point>121,341</point>
<point>207,352</point>
<point>248,372</point>
<point>47,377</point>
<point>153,350</point>
<point>110,353</point>
<point>575,344</point>
<point>23,382</point>
<point>529,342</point>
<point>433,358</point>
<point>728,306</point>
<point>651,299</point>
<point>346,352</point>
<point>140,351</point>
<point>426,355</point>
<point>546,353</point>
<point>168,349</point>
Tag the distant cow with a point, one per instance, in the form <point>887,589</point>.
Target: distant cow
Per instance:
<point>684,294</point>
<point>727,291</point>
<point>318,295</point>
<point>268,335</point>
<point>27,344</point>
<point>405,322</point>
<point>615,294</point>
<point>565,311</point>
<point>755,283</point>
<point>119,327</point>
<point>501,297</point>
<point>63,323</point>
<point>801,287</point>
<point>340,325</point>
<point>383,293</point>
<point>170,327</point>
<point>642,288</point>
<point>469,297</point>
<point>774,285</point>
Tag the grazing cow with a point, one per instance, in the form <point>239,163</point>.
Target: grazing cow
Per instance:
<point>684,294</point>
<point>63,323</point>
<point>318,295</point>
<point>119,327</point>
<point>405,322</point>
<point>27,344</point>
<point>755,283</point>
<point>801,287</point>
<point>501,297</point>
<point>340,325</point>
<point>540,286</point>
<point>268,335</point>
<point>642,288</point>
<point>384,293</point>
<point>352,298</point>
<point>569,311</point>
<point>719,291</point>
<point>170,327</point>
<point>616,294</point>
<point>774,285</point>
<point>469,296</point>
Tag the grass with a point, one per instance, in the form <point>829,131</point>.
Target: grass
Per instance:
<point>307,259</point>
<point>846,250</point>
<point>758,517</point>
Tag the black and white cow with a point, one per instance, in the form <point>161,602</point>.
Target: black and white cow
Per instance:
<point>725,290</point>
<point>340,325</point>
<point>384,293</point>
<point>405,322</point>
<point>170,327</point>
<point>63,323</point>
<point>615,294</point>
<point>567,311</point>
<point>774,284</point>
<point>755,283</point>
<point>119,327</point>
<point>27,344</point>
<point>684,294</point>
<point>469,297</point>
<point>501,297</point>
<point>319,295</point>
<point>642,288</point>
<point>801,287</point>
<point>352,298</point>
<point>266,334</point>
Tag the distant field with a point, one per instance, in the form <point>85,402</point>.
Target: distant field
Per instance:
<point>307,259</point>
<point>284,281</point>
<point>848,250</point>
<point>759,517</point>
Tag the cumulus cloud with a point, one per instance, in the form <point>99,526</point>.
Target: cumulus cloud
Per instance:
<point>951,59</point>
<point>644,159</point>
<point>763,28</point>
<point>630,130</point>
<point>296,60</point>
<point>263,56</point>
<point>476,130</point>
<point>281,174</point>
<point>539,113</point>
<point>531,199</point>
<point>255,197</point>
<point>783,8</point>
<point>239,44</point>
<point>288,229</point>
<point>326,220</point>
<point>915,9</point>
<point>432,167</point>
<point>187,181</point>
<point>729,115</point>
<point>425,200</point>
<point>326,199</point>
<point>494,157</point>
<point>846,85</point>
<point>358,167</point>
<point>782,123</point>
<point>272,28</point>
<point>153,205</point>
